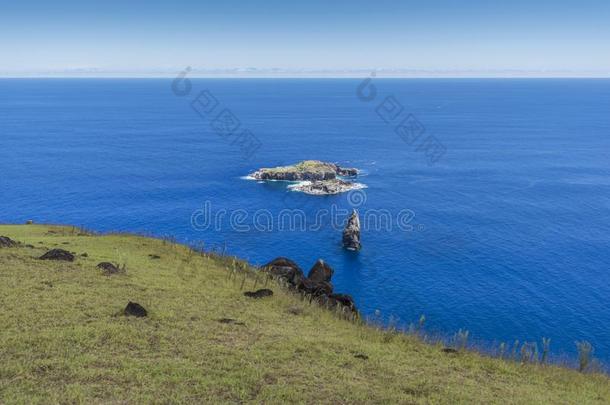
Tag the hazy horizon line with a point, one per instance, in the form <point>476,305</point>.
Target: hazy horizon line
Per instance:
<point>301,73</point>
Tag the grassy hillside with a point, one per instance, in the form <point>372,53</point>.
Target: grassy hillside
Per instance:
<point>63,338</point>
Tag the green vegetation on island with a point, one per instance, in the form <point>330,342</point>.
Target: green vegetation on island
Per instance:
<point>65,336</point>
<point>313,170</point>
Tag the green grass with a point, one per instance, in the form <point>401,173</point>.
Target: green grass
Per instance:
<point>64,340</point>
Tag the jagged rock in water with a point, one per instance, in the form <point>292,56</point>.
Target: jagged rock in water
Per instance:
<point>346,171</point>
<point>326,187</point>
<point>286,269</point>
<point>58,254</point>
<point>320,272</point>
<point>135,309</point>
<point>6,242</point>
<point>305,170</point>
<point>351,233</point>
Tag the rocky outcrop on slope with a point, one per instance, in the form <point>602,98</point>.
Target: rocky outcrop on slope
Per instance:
<point>58,254</point>
<point>285,269</point>
<point>6,242</point>
<point>317,285</point>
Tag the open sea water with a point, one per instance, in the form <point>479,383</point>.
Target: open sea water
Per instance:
<point>487,201</point>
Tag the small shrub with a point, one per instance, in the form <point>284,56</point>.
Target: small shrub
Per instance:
<point>546,343</point>
<point>393,324</point>
<point>461,339</point>
<point>585,350</point>
<point>376,320</point>
<point>391,330</point>
<point>243,281</point>
<point>597,367</point>
<point>514,353</point>
<point>502,350</point>
<point>529,352</point>
<point>420,324</point>
<point>121,264</point>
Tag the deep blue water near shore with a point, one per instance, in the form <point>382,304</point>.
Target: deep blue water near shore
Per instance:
<point>511,236</point>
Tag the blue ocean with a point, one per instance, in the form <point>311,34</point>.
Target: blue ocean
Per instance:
<point>487,201</point>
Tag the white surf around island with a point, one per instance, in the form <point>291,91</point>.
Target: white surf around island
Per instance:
<point>312,188</point>
<point>250,177</point>
<point>339,185</point>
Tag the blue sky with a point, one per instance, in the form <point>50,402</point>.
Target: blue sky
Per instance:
<point>129,36</point>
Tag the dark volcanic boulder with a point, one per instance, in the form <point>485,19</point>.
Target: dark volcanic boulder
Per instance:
<point>6,242</point>
<point>320,272</point>
<point>292,176</point>
<point>109,268</point>
<point>58,254</point>
<point>351,233</point>
<point>307,286</point>
<point>282,262</point>
<point>264,292</point>
<point>135,309</point>
<point>286,269</point>
<point>334,300</point>
<point>347,171</point>
<point>345,300</point>
<point>326,187</point>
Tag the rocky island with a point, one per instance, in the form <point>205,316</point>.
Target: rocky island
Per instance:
<point>310,170</point>
<point>315,177</point>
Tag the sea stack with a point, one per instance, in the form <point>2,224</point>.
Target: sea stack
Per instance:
<point>351,233</point>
